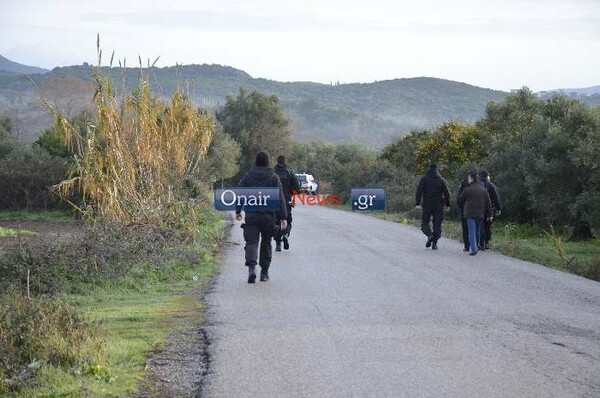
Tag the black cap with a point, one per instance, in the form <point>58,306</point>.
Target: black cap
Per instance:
<point>281,160</point>
<point>483,174</point>
<point>262,159</point>
<point>474,175</point>
<point>433,166</point>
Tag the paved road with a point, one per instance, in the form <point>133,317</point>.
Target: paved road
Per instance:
<point>359,308</point>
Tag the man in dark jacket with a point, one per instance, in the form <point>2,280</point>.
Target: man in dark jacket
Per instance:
<point>289,184</point>
<point>486,230</point>
<point>476,205</point>
<point>463,219</point>
<point>433,198</point>
<point>261,224</point>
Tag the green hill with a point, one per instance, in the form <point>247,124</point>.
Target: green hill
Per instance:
<point>370,113</point>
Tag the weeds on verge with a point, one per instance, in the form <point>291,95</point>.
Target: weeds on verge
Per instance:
<point>560,249</point>
<point>35,332</point>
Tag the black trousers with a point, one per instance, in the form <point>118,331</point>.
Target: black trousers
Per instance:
<point>465,232</point>
<point>279,233</point>
<point>486,231</point>
<point>259,227</point>
<point>437,213</point>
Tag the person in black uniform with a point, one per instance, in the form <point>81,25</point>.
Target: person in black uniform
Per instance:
<point>486,231</point>
<point>433,198</point>
<point>260,225</point>
<point>290,185</point>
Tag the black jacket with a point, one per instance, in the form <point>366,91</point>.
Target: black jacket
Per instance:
<point>265,177</point>
<point>432,190</point>
<point>461,188</point>
<point>491,188</point>
<point>475,201</point>
<point>289,181</point>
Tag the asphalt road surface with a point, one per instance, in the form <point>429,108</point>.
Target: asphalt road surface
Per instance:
<point>360,308</point>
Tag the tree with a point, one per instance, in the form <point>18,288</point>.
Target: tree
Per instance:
<point>223,157</point>
<point>451,145</point>
<point>402,152</point>
<point>257,123</point>
<point>544,154</point>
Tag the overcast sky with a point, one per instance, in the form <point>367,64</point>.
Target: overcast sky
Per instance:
<point>503,44</point>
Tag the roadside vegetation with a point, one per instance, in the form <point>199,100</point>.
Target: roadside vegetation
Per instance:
<point>87,295</point>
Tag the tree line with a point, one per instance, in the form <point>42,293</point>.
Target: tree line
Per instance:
<point>543,154</point>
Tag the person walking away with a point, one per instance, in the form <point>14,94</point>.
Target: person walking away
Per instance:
<point>476,205</point>
<point>433,198</point>
<point>486,230</point>
<point>260,225</point>
<point>290,185</point>
<point>465,229</point>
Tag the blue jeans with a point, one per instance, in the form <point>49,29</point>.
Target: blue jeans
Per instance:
<point>474,225</point>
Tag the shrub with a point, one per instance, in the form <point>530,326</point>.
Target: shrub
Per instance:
<point>36,332</point>
<point>26,177</point>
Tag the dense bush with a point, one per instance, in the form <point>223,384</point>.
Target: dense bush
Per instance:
<point>26,177</point>
<point>35,332</point>
<point>545,157</point>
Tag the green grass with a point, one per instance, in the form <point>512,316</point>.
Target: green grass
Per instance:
<point>13,233</point>
<point>131,324</point>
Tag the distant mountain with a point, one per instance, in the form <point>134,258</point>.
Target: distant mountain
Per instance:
<point>6,65</point>
<point>579,91</point>
<point>588,95</point>
<point>370,113</point>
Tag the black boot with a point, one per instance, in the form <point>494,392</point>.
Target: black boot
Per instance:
<point>277,246</point>
<point>429,241</point>
<point>434,245</point>
<point>264,273</point>
<point>286,243</point>
<point>251,273</point>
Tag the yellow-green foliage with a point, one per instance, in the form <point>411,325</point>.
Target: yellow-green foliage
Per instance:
<point>138,155</point>
<point>453,144</point>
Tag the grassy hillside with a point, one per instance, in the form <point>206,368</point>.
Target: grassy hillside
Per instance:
<point>371,113</point>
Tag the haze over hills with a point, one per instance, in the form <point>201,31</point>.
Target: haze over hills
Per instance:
<point>580,91</point>
<point>369,113</point>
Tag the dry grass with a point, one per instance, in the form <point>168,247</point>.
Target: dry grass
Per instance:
<point>139,156</point>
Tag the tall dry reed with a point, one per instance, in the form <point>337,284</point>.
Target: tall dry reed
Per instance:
<point>134,162</point>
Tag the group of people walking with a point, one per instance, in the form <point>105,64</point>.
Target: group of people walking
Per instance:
<point>477,200</point>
